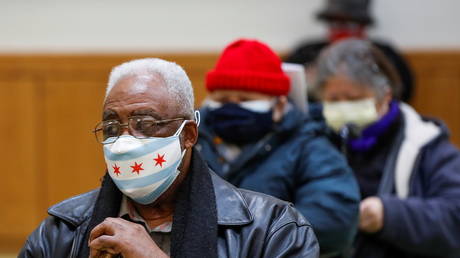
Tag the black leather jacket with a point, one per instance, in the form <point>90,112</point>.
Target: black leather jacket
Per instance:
<point>250,225</point>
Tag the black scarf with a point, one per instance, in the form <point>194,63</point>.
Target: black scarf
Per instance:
<point>194,229</point>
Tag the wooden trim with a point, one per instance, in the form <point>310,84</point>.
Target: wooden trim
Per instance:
<point>58,98</point>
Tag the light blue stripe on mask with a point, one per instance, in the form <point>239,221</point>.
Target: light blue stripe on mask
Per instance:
<point>146,180</point>
<point>151,197</point>
<point>138,152</point>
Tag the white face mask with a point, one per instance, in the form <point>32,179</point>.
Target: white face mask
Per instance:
<point>360,113</point>
<point>143,169</point>
<point>258,106</point>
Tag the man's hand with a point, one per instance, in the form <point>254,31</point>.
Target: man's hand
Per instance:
<point>371,215</point>
<point>119,236</point>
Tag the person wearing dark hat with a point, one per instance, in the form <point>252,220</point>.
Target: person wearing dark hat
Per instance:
<point>347,19</point>
<point>254,137</point>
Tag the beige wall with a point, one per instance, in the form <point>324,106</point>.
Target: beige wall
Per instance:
<point>205,25</point>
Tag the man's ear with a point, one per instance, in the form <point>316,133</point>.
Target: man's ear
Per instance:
<point>278,109</point>
<point>189,135</point>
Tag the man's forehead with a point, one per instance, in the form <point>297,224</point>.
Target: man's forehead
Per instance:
<point>139,92</point>
<point>138,84</point>
<point>143,81</point>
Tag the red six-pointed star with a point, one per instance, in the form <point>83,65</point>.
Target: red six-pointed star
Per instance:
<point>116,170</point>
<point>137,168</point>
<point>159,160</point>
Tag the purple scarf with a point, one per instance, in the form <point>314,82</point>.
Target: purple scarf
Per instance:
<point>370,135</point>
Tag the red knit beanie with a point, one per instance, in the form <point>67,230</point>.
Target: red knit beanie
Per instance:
<point>251,66</point>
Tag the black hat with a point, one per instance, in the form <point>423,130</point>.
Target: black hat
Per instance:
<point>350,10</point>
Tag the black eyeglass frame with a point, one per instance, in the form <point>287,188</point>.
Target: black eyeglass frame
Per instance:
<point>99,127</point>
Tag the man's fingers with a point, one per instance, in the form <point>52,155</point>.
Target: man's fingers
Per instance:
<point>93,253</point>
<point>99,230</point>
<point>107,227</point>
<point>117,236</point>
<point>105,243</point>
<point>99,254</point>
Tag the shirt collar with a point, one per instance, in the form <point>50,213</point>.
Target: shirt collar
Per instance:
<point>127,210</point>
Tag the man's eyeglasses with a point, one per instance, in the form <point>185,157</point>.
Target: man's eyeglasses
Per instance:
<point>139,126</point>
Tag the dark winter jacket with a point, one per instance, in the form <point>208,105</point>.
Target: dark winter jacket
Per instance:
<point>296,163</point>
<point>420,191</point>
<point>249,225</point>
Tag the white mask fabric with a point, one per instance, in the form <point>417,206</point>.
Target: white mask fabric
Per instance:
<point>360,113</point>
<point>258,106</point>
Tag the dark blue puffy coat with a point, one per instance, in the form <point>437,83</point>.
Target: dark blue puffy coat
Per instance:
<point>296,163</point>
<point>420,191</point>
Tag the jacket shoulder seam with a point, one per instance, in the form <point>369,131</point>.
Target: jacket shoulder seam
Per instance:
<point>274,231</point>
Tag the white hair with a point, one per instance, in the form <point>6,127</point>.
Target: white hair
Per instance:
<point>177,83</point>
<point>359,61</point>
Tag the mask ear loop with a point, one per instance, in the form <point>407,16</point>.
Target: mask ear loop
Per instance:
<point>178,132</point>
<point>197,118</point>
<point>180,128</point>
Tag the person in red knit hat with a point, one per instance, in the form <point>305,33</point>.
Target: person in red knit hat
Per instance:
<point>254,137</point>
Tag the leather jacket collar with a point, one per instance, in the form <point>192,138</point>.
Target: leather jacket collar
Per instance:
<point>232,209</point>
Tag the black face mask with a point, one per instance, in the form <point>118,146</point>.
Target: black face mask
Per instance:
<point>238,125</point>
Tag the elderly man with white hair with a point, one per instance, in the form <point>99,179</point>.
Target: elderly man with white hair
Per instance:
<point>158,197</point>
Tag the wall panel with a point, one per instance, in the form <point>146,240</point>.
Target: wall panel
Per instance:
<point>74,160</point>
<point>438,87</point>
<point>22,193</point>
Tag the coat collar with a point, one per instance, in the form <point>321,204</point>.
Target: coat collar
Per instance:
<point>77,209</point>
<point>232,208</point>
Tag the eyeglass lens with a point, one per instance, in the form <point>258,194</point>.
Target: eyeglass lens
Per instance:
<point>139,127</point>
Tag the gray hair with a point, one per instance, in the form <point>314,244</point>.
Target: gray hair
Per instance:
<point>361,62</point>
<point>177,83</point>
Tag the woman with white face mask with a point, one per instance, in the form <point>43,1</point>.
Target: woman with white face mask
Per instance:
<point>407,170</point>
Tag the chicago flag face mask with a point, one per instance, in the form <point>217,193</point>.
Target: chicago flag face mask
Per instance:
<point>143,169</point>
